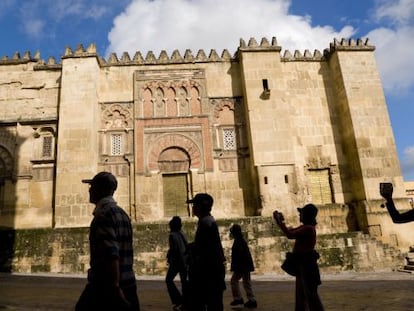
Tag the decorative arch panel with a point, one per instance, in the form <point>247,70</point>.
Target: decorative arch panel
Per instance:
<point>168,142</point>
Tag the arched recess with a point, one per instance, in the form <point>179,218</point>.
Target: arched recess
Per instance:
<point>6,164</point>
<point>195,101</point>
<point>174,156</point>
<point>221,105</point>
<point>174,165</point>
<point>6,172</point>
<point>147,104</point>
<point>174,141</point>
<point>172,160</point>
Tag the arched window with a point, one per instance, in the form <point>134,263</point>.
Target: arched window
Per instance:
<point>6,163</point>
<point>182,98</point>
<point>44,149</point>
<point>116,125</point>
<point>159,103</point>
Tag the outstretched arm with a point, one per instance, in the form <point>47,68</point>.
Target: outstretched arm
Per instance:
<point>386,190</point>
<point>396,216</point>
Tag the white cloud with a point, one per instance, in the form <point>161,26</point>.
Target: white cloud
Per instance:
<point>394,44</point>
<point>400,12</point>
<point>394,57</point>
<point>213,24</point>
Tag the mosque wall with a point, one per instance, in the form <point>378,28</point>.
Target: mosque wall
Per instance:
<point>258,130</point>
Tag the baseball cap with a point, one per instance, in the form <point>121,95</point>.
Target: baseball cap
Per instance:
<point>103,180</point>
<point>309,210</point>
<point>203,199</point>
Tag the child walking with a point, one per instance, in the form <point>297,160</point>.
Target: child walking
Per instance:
<point>177,264</point>
<point>241,266</point>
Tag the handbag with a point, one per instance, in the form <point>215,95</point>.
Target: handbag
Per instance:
<point>290,264</point>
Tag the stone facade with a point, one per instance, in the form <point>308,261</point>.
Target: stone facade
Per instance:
<point>258,130</point>
<point>66,250</point>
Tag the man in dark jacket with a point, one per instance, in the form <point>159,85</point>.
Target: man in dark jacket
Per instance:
<point>207,262</point>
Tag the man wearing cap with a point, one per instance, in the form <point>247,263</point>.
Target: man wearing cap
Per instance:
<point>111,279</point>
<point>207,268</point>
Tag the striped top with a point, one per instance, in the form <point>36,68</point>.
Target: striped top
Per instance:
<point>110,236</point>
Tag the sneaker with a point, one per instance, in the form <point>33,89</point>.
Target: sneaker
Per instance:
<point>251,304</point>
<point>237,303</point>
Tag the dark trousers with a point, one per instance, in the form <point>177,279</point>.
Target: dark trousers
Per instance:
<point>207,299</point>
<point>306,292</point>
<point>247,285</point>
<point>176,297</point>
<point>206,291</point>
<point>97,297</point>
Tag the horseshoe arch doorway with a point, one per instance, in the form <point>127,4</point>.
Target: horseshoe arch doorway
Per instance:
<point>174,164</point>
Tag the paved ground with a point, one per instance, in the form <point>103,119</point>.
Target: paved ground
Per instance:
<point>353,292</point>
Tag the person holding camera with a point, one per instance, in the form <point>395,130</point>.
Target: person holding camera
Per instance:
<point>304,258</point>
<point>386,190</point>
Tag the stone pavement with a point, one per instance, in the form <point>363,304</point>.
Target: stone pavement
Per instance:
<point>345,291</point>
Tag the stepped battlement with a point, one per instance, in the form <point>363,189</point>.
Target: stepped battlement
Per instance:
<point>189,57</point>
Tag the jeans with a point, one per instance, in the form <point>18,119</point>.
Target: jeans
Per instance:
<point>176,297</point>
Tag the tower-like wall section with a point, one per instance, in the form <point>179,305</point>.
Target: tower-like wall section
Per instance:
<point>265,127</point>
<point>269,135</point>
<point>292,125</point>
<point>77,156</point>
<point>368,140</point>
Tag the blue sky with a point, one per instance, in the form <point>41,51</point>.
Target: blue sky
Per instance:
<point>49,26</point>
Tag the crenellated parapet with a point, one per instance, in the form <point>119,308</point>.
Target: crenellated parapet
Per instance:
<point>51,64</point>
<point>200,57</point>
<point>336,45</point>
<point>165,59</point>
<point>272,46</point>
<point>264,45</point>
<point>17,59</point>
<point>348,45</point>
<point>80,51</point>
<point>298,56</point>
